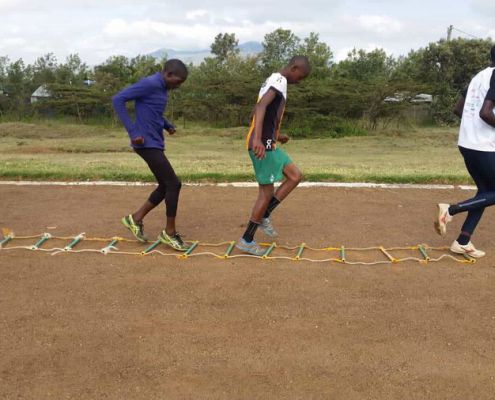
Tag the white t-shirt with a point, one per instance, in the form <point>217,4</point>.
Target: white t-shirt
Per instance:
<point>274,112</point>
<point>476,134</point>
<point>276,81</point>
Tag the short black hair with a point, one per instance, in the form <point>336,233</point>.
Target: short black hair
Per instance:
<point>492,53</point>
<point>301,61</point>
<point>176,67</point>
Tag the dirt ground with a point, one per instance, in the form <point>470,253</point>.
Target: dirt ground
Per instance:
<point>88,326</point>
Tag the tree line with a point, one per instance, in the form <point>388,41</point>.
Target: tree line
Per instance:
<point>221,91</point>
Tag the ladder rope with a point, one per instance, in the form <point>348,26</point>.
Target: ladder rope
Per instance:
<point>8,244</point>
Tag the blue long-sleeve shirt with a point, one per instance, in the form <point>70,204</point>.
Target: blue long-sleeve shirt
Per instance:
<point>150,96</point>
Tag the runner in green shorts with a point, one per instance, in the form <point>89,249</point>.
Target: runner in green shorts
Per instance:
<point>271,168</point>
<point>271,164</point>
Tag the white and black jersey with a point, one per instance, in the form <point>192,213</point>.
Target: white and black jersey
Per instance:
<point>274,112</point>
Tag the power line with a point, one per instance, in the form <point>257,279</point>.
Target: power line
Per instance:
<point>465,33</point>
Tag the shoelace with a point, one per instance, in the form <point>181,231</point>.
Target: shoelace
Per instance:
<point>178,238</point>
<point>140,225</point>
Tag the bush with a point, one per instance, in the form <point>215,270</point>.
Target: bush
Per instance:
<point>321,126</point>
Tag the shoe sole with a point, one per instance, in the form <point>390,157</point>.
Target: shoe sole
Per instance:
<point>439,227</point>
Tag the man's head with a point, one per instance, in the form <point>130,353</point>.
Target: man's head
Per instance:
<point>492,54</point>
<point>174,73</point>
<point>297,69</point>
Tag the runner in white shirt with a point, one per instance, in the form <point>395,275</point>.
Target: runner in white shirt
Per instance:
<point>271,164</point>
<point>477,146</point>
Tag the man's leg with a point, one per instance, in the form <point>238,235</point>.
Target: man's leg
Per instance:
<point>265,193</point>
<point>247,243</point>
<point>481,167</point>
<point>134,221</point>
<point>293,177</point>
<point>152,157</point>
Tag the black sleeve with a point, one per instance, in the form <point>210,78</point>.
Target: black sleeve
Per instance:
<point>491,92</point>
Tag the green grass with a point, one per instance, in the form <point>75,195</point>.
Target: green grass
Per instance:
<point>54,150</point>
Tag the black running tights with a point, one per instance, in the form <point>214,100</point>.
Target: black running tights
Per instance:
<point>169,184</point>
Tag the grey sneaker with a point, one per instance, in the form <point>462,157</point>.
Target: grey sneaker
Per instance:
<point>267,227</point>
<point>250,247</point>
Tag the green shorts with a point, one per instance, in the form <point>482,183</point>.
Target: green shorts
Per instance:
<point>270,169</point>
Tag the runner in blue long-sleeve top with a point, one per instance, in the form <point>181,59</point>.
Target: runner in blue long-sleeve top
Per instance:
<point>150,96</point>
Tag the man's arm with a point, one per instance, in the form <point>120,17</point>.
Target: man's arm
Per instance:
<point>168,126</point>
<point>259,117</point>
<point>281,137</point>
<point>130,93</point>
<point>486,112</point>
<point>459,106</point>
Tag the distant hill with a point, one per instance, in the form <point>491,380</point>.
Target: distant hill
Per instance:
<point>197,56</point>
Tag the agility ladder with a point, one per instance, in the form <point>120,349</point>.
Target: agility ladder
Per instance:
<point>422,253</point>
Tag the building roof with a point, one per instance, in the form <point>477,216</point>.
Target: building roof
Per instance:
<point>42,91</point>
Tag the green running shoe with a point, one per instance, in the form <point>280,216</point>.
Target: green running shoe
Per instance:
<point>174,241</point>
<point>137,229</point>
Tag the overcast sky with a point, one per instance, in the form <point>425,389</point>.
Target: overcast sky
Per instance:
<point>97,29</point>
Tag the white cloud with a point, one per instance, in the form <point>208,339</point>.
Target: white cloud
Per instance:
<point>381,24</point>
<point>9,5</point>
<point>196,14</point>
<point>152,33</point>
<point>484,7</point>
<point>97,29</point>
<point>343,53</point>
<point>12,42</point>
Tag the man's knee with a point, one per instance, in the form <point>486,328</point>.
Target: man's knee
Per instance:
<point>298,177</point>
<point>295,176</point>
<point>170,184</point>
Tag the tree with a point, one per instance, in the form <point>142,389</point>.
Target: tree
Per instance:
<point>4,62</point>
<point>44,69</point>
<point>119,67</point>
<point>319,54</point>
<point>454,62</point>
<point>142,66</point>
<point>279,47</point>
<point>225,46</point>
<point>16,85</point>
<point>366,66</point>
<point>72,72</point>
<point>77,101</point>
<point>447,67</point>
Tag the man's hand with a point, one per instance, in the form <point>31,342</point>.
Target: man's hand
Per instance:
<point>283,138</point>
<point>138,141</point>
<point>171,130</point>
<point>259,149</point>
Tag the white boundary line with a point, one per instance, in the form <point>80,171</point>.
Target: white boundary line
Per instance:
<point>357,185</point>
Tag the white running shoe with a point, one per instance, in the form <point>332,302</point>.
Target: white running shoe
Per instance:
<point>468,249</point>
<point>443,218</point>
<point>250,247</point>
<point>267,228</point>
